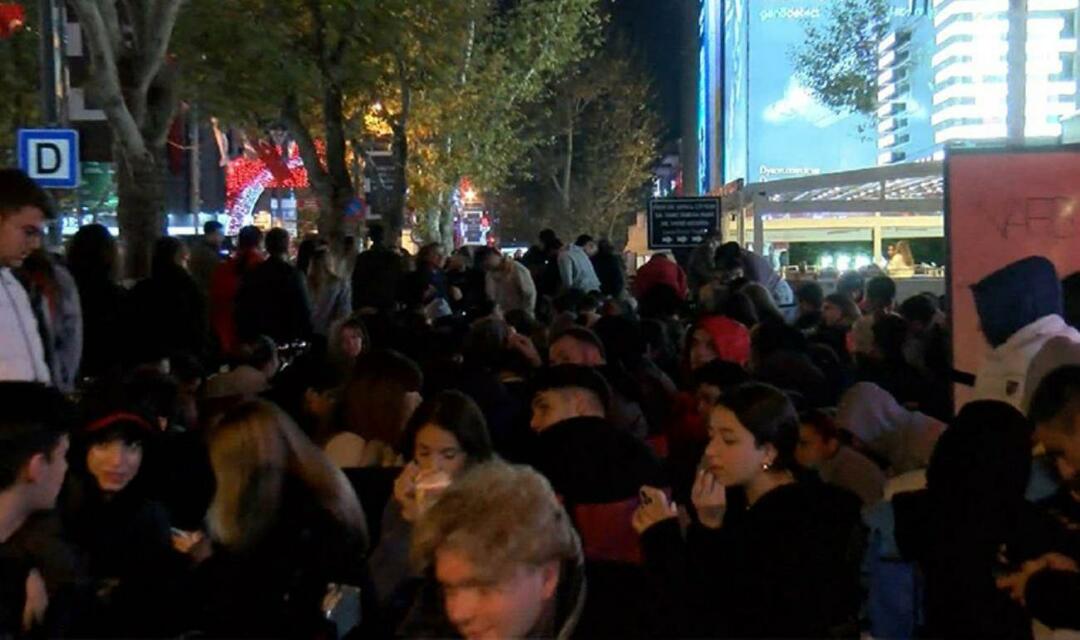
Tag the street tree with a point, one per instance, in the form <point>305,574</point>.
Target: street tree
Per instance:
<point>838,57</point>
<point>600,142</point>
<point>19,80</point>
<point>135,82</point>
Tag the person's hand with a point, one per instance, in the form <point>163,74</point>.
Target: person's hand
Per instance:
<point>185,541</point>
<point>524,346</point>
<point>654,509</point>
<point>37,601</point>
<point>710,499</point>
<point>405,492</point>
<point>455,294</point>
<point>1016,583</point>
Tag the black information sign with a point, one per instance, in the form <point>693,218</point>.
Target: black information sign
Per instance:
<point>676,223</point>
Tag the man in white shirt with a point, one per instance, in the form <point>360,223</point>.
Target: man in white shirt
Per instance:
<point>24,207</point>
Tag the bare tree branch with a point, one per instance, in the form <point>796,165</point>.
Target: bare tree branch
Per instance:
<point>159,28</point>
<point>107,76</point>
<point>112,24</point>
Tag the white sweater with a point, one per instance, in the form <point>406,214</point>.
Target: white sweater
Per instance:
<point>22,357</point>
<point>1003,375</point>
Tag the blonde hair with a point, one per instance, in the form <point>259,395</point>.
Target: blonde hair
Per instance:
<point>498,515</point>
<point>253,449</point>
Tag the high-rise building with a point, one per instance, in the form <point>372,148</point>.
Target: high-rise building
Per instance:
<point>895,98</point>
<point>971,68</point>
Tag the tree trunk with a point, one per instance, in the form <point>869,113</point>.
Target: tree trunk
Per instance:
<point>445,223</point>
<point>141,210</point>
<point>394,218</point>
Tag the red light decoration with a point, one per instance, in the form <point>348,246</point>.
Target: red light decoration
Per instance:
<point>12,19</point>
<point>246,178</point>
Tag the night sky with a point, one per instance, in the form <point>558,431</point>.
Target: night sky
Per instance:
<point>652,29</point>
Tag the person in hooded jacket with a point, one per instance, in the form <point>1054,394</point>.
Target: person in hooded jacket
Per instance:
<point>168,311</point>
<point>1019,308</point>
<point>610,269</point>
<point>899,439</point>
<point>122,534</point>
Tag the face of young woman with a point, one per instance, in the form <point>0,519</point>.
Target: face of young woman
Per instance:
<point>438,450</point>
<point>114,464</point>
<point>733,457</point>
<point>702,350</point>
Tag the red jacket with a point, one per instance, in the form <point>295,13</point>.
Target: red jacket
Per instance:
<point>661,269</point>
<point>224,285</point>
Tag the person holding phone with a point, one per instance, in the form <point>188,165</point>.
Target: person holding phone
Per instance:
<point>445,437</point>
<point>780,566</point>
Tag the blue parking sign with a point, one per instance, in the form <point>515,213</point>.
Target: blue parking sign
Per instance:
<point>50,156</point>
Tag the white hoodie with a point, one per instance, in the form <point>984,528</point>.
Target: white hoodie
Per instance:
<point>22,357</point>
<point>1004,373</point>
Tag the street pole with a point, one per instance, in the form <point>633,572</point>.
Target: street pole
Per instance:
<point>1016,118</point>
<point>195,168</point>
<point>49,23</point>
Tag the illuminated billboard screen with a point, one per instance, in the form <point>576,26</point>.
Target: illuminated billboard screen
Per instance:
<point>773,127</point>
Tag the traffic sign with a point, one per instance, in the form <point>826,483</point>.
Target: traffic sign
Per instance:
<point>50,156</point>
<point>682,222</point>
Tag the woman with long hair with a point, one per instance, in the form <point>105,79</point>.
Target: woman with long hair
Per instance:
<point>284,523</point>
<point>93,258</point>
<point>771,552</point>
<point>331,297</point>
<point>446,436</point>
<point>378,400</point>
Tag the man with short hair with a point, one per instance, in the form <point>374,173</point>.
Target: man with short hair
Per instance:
<point>507,282</point>
<point>586,458</point>
<point>577,346</point>
<point>33,461</point>
<point>378,273</point>
<point>273,299</point>
<point>880,299</point>
<point>226,283</point>
<point>503,559</point>
<point>206,255</point>
<point>575,268</point>
<point>811,299</point>
<point>24,208</point>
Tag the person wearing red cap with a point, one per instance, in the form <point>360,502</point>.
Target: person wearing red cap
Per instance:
<point>719,338</point>
<point>121,534</point>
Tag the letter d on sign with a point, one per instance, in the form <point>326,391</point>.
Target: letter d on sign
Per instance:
<point>48,158</point>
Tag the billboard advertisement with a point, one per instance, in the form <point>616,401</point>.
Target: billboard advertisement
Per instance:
<point>773,126</point>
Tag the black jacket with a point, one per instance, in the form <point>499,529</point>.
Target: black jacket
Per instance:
<point>275,588</point>
<point>273,301</point>
<point>589,461</point>
<point>125,547</point>
<point>787,567</point>
<point>611,272</point>
<point>167,316</point>
<point>376,279</point>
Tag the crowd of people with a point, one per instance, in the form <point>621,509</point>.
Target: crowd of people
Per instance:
<point>310,441</point>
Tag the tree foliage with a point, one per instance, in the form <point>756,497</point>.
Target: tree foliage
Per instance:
<point>838,59</point>
<point>599,142</point>
<point>442,83</point>
<point>19,80</point>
